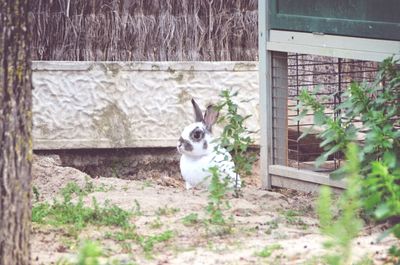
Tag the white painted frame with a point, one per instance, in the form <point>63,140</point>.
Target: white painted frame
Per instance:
<point>304,180</point>
<point>264,68</point>
<point>333,46</point>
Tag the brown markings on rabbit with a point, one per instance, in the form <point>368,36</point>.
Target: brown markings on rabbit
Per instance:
<point>205,145</point>
<point>186,144</point>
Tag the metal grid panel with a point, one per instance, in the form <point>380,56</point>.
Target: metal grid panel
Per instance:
<point>290,74</point>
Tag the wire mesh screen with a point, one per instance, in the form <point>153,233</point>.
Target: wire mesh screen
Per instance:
<point>292,73</point>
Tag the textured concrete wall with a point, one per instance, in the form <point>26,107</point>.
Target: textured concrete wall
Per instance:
<point>140,104</point>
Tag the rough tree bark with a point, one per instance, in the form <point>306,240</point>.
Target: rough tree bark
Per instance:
<point>15,133</point>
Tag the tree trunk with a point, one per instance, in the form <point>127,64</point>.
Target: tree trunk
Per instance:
<point>15,133</point>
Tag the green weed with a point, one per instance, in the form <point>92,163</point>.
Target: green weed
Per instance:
<point>89,254</point>
<point>148,242</point>
<point>78,215</point>
<point>235,136</point>
<point>268,250</point>
<point>128,233</point>
<point>394,253</point>
<point>146,184</point>
<point>293,217</point>
<point>217,201</point>
<point>103,188</point>
<point>167,211</point>
<point>191,219</point>
<point>346,227</point>
<point>156,224</point>
<point>236,139</point>
<point>138,209</point>
<point>272,225</point>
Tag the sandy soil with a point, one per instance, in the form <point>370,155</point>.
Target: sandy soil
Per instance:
<point>261,218</point>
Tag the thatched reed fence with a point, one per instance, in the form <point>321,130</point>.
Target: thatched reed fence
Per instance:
<point>144,30</point>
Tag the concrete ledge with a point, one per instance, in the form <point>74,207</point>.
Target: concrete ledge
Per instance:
<point>237,66</point>
<point>130,104</point>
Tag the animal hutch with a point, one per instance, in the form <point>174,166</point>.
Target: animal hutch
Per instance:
<point>309,44</point>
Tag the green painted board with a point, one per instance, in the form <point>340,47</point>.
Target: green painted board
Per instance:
<point>379,19</point>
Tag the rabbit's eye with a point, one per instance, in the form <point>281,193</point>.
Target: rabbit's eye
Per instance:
<point>197,135</point>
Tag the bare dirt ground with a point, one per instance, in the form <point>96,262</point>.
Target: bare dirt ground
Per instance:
<point>282,218</point>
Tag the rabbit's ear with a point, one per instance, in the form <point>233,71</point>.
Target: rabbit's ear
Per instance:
<point>210,117</point>
<point>197,112</point>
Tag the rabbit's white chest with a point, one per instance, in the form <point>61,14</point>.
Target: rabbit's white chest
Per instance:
<point>195,170</point>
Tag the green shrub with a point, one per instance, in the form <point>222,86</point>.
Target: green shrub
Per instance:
<point>382,191</point>
<point>235,136</point>
<point>375,105</point>
<point>342,230</point>
<point>377,108</point>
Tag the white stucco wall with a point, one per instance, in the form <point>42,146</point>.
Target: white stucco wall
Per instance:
<point>130,104</point>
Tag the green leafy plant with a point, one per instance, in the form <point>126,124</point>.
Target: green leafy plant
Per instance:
<point>294,218</point>
<point>89,254</point>
<point>272,225</point>
<point>375,105</point>
<point>73,188</point>
<point>268,250</point>
<point>190,219</point>
<point>394,252</point>
<point>217,200</point>
<point>156,224</point>
<point>167,211</point>
<point>371,110</point>
<point>77,214</point>
<point>235,136</point>
<point>216,223</point>
<point>342,230</point>
<point>148,242</point>
<point>382,191</point>
<point>128,233</point>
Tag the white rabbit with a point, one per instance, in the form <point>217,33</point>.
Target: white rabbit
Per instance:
<point>200,151</point>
